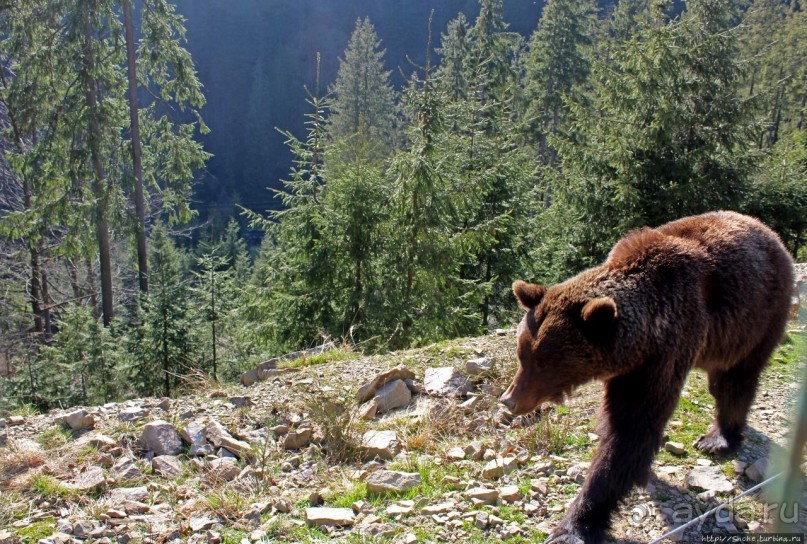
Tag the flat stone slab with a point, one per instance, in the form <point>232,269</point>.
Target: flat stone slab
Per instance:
<point>391,481</point>
<point>708,479</point>
<point>333,517</point>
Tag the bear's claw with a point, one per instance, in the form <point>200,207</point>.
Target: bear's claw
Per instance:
<point>716,444</point>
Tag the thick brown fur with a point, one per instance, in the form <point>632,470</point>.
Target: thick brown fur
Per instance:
<point>709,291</point>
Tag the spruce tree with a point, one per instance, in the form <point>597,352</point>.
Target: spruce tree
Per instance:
<point>557,68</point>
<point>363,97</point>
<point>666,136</point>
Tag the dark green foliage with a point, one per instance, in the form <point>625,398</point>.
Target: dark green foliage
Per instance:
<point>666,135</point>
<point>362,104</point>
<point>164,346</point>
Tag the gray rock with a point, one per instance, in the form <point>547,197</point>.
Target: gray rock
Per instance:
<point>83,528</point>
<point>13,421</point>
<point>79,420</point>
<point>394,394</point>
<point>676,448</point>
<point>708,479</point>
<point>217,435</point>
<point>294,440</point>
<point>498,467</point>
<point>483,494</point>
<point>132,414</point>
<point>391,481</point>
<point>89,480</point>
<point>6,537</point>
<point>167,465</point>
<point>240,401</point>
<point>368,410</point>
<point>161,437</point>
<point>446,381</point>
<point>383,444</point>
<point>130,494</point>
<point>368,390</point>
<point>510,493</point>
<point>332,517</point>
<point>126,469</point>
<point>225,469</point>
<point>757,471</point>
<point>201,523</point>
<point>479,365</point>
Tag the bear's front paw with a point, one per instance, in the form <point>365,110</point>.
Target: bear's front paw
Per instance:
<point>567,533</point>
<point>716,444</point>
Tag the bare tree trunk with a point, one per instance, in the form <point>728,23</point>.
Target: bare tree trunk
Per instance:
<point>137,154</point>
<point>99,180</point>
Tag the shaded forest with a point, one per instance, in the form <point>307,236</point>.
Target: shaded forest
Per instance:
<point>412,199</point>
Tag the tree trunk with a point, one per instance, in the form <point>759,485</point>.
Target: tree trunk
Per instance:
<point>45,303</point>
<point>99,180</point>
<point>92,288</point>
<point>213,317</point>
<point>137,154</point>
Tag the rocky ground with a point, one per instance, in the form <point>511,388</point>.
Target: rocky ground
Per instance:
<point>427,456</point>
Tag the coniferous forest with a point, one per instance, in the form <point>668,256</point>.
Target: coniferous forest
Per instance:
<point>415,195</point>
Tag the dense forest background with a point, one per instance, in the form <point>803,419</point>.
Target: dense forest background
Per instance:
<point>187,189</point>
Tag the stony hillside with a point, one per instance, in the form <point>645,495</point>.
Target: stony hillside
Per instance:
<point>428,457</point>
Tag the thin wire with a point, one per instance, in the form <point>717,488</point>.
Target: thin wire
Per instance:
<point>715,509</point>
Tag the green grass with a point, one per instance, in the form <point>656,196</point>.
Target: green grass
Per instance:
<point>356,492</point>
<point>48,487</point>
<point>332,356</point>
<point>36,531</point>
<point>233,536</point>
<point>25,410</point>
<point>54,437</point>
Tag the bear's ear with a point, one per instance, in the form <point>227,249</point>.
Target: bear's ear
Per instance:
<point>529,295</point>
<point>600,313</point>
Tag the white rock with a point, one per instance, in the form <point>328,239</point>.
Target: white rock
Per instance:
<point>368,390</point>
<point>332,517</point>
<point>383,444</point>
<point>132,414</point>
<point>446,381</point>
<point>387,481</point>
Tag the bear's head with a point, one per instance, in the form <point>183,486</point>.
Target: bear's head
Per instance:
<point>562,342</point>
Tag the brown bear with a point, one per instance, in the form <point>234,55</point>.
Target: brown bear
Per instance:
<point>710,291</point>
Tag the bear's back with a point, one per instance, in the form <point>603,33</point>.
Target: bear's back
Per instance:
<point>746,285</point>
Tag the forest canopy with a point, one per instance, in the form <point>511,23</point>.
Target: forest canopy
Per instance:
<point>414,197</point>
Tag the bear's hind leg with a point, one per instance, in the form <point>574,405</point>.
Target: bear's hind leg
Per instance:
<point>734,391</point>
